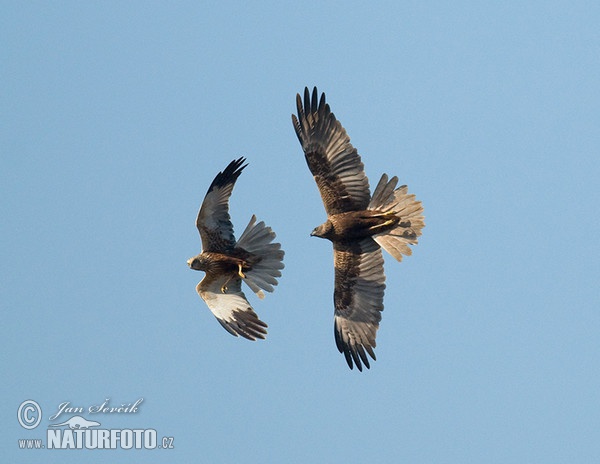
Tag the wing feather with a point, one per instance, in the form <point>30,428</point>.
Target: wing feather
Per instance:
<point>232,309</point>
<point>333,161</point>
<point>213,221</point>
<point>358,299</point>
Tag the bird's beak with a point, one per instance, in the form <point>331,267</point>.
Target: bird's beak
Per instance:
<point>189,262</point>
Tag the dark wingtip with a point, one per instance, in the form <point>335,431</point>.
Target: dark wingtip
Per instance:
<point>310,103</point>
<point>306,99</point>
<point>229,174</point>
<point>354,354</point>
<point>236,165</point>
<point>252,329</point>
<point>322,103</point>
<point>315,95</point>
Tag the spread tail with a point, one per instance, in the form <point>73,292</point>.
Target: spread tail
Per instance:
<point>256,239</point>
<point>386,198</point>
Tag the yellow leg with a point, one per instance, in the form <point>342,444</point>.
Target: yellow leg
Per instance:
<point>384,224</point>
<point>240,273</point>
<point>224,287</point>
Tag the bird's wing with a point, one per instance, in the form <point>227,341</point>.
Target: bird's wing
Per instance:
<point>213,221</point>
<point>333,161</point>
<point>231,308</point>
<point>358,298</point>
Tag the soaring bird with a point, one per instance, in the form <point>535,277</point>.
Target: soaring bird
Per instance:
<point>358,225</point>
<point>226,262</point>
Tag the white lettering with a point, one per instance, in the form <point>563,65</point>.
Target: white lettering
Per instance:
<point>78,438</point>
<point>68,441</point>
<point>126,439</point>
<point>125,408</point>
<point>99,439</point>
<point>64,407</point>
<point>53,438</point>
<point>138,438</point>
<point>149,439</point>
<point>95,409</point>
<point>114,438</point>
<point>91,439</point>
<point>103,439</point>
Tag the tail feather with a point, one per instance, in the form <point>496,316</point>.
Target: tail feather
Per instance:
<point>383,194</point>
<point>257,239</point>
<point>406,208</point>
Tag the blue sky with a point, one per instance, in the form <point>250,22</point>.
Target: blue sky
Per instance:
<point>116,118</point>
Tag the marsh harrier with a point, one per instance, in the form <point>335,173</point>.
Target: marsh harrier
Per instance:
<point>358,224</point>
<point>253,259</point>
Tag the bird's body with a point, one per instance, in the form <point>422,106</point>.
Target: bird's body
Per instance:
<point>358,225</point>
<point>355,224</point>
<point>220,263</point>
<point>253,259</point>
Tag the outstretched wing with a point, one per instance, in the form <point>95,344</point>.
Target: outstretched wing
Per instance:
<point>358,299</point>
<point>231,308</point>
<point>213,221</point>
<point>333,161</point>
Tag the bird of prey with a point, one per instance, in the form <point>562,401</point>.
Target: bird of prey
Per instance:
<point>226,262</point>
<point>358,224</point>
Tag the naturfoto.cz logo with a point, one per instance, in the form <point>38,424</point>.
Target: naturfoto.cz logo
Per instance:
<point>78,432</point>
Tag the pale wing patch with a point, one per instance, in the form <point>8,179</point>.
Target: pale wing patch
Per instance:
<point>232,309</point>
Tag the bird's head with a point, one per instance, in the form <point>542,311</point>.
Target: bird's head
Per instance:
<point>325,230</point>
<point>195,263</point>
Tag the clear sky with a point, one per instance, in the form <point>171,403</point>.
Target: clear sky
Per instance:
<point>116,116</point>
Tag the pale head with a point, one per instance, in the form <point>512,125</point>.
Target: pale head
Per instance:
<point>196,263</point>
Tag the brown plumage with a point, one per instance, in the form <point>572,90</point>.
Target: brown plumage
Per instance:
<point>358,224</point>
<point>226,262</point>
